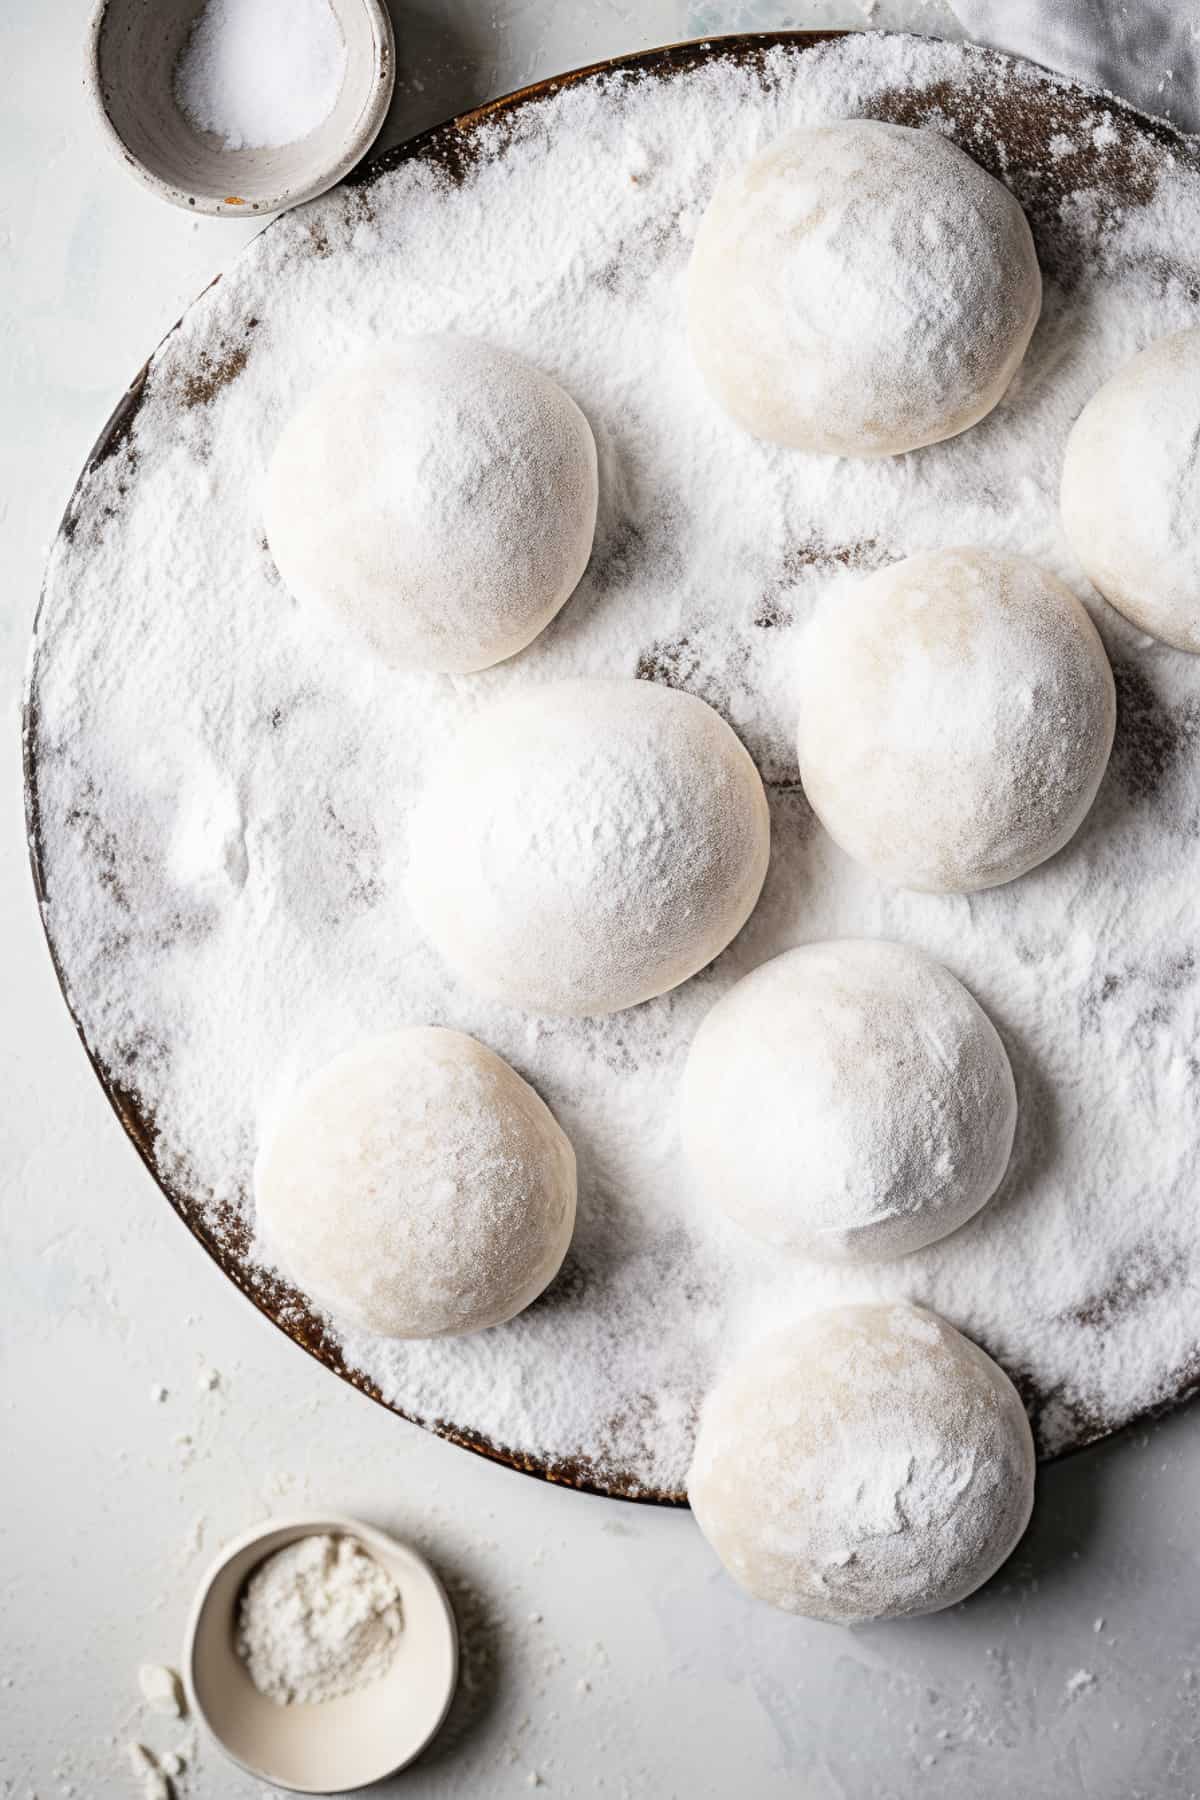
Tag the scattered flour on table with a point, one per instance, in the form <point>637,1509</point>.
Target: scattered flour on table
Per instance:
<point>224,785</point>
<point>160,1689</point>
<point>146,1769</point>
<point>318,1619</point>
<point>261,73</point>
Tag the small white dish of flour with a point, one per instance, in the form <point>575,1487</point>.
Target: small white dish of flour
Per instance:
<point>321,1654</point>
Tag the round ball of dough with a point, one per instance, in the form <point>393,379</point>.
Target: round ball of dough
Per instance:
<point>440,500</point>
<point>1130,496</point>
<point>957,711</point>
<point>588,844</point>
<point>868,1463</point>
<point>848,1101</point>
<point>861,289</point>
<point>417,1187</point>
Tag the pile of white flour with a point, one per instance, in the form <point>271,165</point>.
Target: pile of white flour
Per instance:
<point>224,783</point>
<point>318,1619</point>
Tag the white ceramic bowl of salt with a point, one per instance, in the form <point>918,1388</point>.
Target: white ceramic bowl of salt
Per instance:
<point>240,106</point>
<point>335,1745</point>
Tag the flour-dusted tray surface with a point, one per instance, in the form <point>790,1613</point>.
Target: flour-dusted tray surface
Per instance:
<point>218,785</point>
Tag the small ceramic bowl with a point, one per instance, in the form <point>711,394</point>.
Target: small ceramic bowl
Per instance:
<point>133,48</point>
<point>339,1744</point>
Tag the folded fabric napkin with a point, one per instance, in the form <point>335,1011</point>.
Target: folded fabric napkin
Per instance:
<point>1146,50</point>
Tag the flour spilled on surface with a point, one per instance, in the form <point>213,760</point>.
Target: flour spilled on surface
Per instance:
<point>148,1772</point>
<point>161,1690</point>
<point>224,783</point>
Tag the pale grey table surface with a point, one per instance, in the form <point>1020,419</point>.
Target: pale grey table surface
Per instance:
<point>606,1653</point>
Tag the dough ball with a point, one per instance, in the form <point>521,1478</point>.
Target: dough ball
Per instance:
<point>1130,495</point>
<point>868,1463</point>
<point>417,1187</point>
<point>861,289</point>
<point>588,844</point>
<point>849,1102</point>
<point>957,711</point>
<point>440,500</point>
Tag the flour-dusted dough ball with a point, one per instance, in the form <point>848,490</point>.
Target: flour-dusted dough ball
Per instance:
<point>416,1186</point>
<point>956,714</point>
<point>1131,493</point>
<point>861,289</point>
<point>586,845</point>
<point>440,500</point>
<point>848,1101</point>
<point>867,1463</point>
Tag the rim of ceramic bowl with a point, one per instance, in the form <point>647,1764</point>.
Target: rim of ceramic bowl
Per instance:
<point>357,143</point>
<point>295,1526</point>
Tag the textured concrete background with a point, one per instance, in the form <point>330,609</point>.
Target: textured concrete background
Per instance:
<point>605,1652</point>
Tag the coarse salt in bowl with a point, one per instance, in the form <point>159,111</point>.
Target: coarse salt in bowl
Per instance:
<point>240,106</point>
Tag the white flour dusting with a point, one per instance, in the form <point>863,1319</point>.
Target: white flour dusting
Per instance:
<point>224,785</point>
<point>318,1619</point>
<point>261,73</point>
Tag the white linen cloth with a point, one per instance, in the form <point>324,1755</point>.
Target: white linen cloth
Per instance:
<point>1148,51</point>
